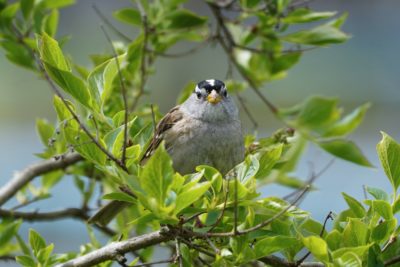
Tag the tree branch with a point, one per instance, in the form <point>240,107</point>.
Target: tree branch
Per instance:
<point>112,250</point>
<point>23,177</point>
<point>73,213</point>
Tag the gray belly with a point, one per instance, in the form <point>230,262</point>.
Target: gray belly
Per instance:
<point>220,146</point>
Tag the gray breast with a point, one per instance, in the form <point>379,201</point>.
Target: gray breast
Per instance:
<point>192,142</point>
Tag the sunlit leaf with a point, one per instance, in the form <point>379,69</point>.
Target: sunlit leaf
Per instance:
<point>389,155</point>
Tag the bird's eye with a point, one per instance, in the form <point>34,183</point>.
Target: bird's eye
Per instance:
<point>225,93</point>
<point>198,95</point>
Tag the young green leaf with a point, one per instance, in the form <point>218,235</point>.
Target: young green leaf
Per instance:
<point>304,15</point>
<point>156,176</point>
<point>70,84</point>
<point>26,261</point>
<point>319,36</point>
<point>45,130</point>
<point>186,198</point>
<point>50,22</point>
<point>182,19</point>
<point>27,7</point>
<point>346,150</point>
<point>128,15</point>
<point>51,53</point>
<point>389,155</point>
<point>348,123</point>
<point>269,245</point>
<point>317,246</point>
<point>36,241</point>
<point>355,233</point>
<point>383,208</point>
<point>354,205</point>
<point>377,193</point>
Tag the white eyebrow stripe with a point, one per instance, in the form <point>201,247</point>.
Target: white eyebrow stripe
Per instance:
<point>211,82</point>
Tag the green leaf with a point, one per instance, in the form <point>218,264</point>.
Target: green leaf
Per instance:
<point>156,176</point>
<point>349,259</point>
<point>268,159</point>
<point>36,241</point>
<point>304,15</point>
<point>187,197</point>
<point>51,22</point>
<point>383,230</point>
<point>346,150</point>
<point>18,54</point>
<point>101,79</point>
<point>26,7</point>
<point>51,53</point>
<point>44,254</point>
<point>182,19</point>
<point>334,239</point>
<point>348,123</point>
<point>377,193</point>
<point>396,206</point>
<point>355,233</point>
<point>319,36</point>
<point>70,84</point>
<point>23,246</point>
<point>355,206</point>
<point>26,261</point>
<point>8,232</point>
<point>52,178</point>
<point>186,92</point>
<point>269,245</point>
<point>389,155</point>
<point>128,15</point>
<point>56,4</point>
<point>383,208</point>
<point>247,169</point>
<point>318,112</point>
<point>45,130</point>
<point>317,246</point>
<point>360,251</point>
<point>120,197</point>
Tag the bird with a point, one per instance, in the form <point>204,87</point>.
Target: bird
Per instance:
<point>203,130</point>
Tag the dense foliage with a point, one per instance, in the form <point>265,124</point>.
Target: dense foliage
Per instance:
<point>204,218</point>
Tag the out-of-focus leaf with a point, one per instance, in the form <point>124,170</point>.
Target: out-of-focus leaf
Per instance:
<point>349,259</point>
<point>317,246</point>
<point>182,19</point>
<point>128,15</point>
<point>304,15</point>
<point>8,232</point>
<point>186,92</point>
<point>377,193</point>
<point>354,205</point>
<point>36,241</point>
<point>17,54</point>
<point>120,197</point>
<point>56,4</point>
<point>334,240</point>
<point>348,123</point>
<point>51,22</point>
<point>346,150</point>
<point>389,155</point>
<point>383,208</point>
<point>383,230</point>
<point>317,112</point>
<point>26,7</point>
<point>319,36</point>
<point>26,261</point>
<point>45,130</point>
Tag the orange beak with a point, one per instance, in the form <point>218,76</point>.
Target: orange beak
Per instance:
<point>213,97</point>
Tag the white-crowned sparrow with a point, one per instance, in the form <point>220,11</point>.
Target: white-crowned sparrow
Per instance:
<point>205,129</point>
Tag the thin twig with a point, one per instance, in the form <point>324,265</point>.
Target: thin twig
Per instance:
<point>124,96</point>
<point>143,67</point>
<point>229,51</point>
<point>109,24</point>
<point>235,207</point>
<point>23,177</point>
<point>392,261</point>
<point>198,248</point>
<point>242,103</point>
<point>153,117</point>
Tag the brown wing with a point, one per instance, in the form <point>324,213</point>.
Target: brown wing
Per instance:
<point>173,116</point>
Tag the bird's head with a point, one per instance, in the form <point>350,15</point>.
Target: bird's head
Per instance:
<point>210,102</point>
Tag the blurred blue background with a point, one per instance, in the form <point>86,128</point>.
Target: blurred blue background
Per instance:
<point>365,69</point>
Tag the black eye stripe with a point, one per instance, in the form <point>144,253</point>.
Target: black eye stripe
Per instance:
<point>210,85</point>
